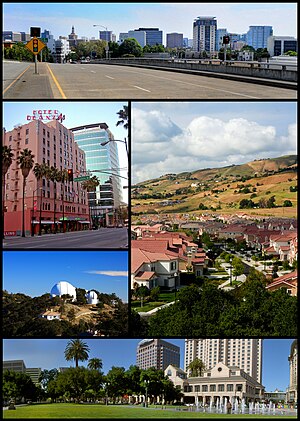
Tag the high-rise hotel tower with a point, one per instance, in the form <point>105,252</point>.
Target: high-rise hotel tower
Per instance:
<point>244,353</point>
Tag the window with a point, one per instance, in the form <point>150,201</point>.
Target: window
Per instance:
<point>26,141</point>
<point>221,388</point>
<point>239,387</point>
<point>27,131</point>
<point>229,388</point>
<point>212,388</point>
<point>204,388</point>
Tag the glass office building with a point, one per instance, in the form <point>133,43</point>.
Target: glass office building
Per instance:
<point>102,161</point>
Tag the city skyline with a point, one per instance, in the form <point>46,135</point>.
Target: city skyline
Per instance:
<point>174,137</point>
<point>122,17</point>
<point>76,113</point>
<point>49,353</point>
<point>105,271</point>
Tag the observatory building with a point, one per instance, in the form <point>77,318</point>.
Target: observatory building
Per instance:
<point>63,288</point>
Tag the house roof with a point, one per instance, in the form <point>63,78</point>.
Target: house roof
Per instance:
<point>147,275</point>
<point>290,279</point>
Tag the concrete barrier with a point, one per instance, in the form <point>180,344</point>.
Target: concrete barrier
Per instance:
<point>247,71</point>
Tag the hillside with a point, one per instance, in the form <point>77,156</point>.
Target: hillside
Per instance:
<point>221,189</point>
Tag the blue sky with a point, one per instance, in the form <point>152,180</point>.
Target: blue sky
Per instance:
<point>187,136</point>
<point>76,114</point>
<point>49,353</point>
<point>34,273</point>
<point>121,17</point>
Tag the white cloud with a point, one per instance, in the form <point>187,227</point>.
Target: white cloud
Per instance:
<point>108,272</point>
<point>159,146</point>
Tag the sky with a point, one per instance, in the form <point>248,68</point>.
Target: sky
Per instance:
<point>168,17</point>
<point>49,353</point>
<point>173,137</point>
<point>34,273</point>
<point>76,114</point>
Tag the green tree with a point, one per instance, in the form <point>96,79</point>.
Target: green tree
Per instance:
<point>47,376</point>
<point>196,368</point>
<point>77,350</point>
<point>95,364</point>
<point>7,157</point>
<point>40,171</point>
<point>142,292</point>
<point>25,161</point>
<point>238,267</point>
<point>90,186</point>
<point>154,293</point>
<point>287,204</point>
<point>130,46</point>
<point>116,380</point>
<point>17,386</point>
<point>123,117</point>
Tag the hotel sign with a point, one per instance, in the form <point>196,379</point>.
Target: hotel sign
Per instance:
<point>46,115</point>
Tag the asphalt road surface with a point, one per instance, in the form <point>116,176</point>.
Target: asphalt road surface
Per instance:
<point>101,81</point>
<point>104,238</point>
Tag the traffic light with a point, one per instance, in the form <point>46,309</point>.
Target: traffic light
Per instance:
<point>226,39</point>
<point>35,32</point>
<point>70,174</point>
<point>35,45</point>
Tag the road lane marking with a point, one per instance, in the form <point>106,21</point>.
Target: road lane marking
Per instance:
<point>142,89</point>
<point>109,77</point>
<point>195,84</point>
<point>56,83</point>
<point>14,81</point>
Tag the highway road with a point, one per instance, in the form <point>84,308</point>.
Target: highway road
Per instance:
<point>101,81</point>
<point>104,238</point>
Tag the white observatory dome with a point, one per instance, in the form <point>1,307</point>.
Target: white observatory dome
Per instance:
<point>63,288</point>
<point>91,297</point>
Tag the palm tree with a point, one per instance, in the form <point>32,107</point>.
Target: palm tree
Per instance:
<point>7,157</point>
<point>25,161</point>
<point>40,171</point>
<point>196,368</point>
<point>123,115</point>
<point>54,176</point>
<point>95,364</point>
<point>77,350</point>
<point>90,185</point>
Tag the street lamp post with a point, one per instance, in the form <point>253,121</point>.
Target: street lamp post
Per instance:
<point>117,140</point>
<point>106,48</point>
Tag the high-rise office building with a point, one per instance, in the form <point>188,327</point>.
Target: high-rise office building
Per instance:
<point>257,36</point>
<point>105,35</point>
<point>140,36</point>
<point>243,353</point>
<point>157,353</point>
<point>204,34</point>
<point>220,33</point>
<point>174,40</point>
<point>18,366</point>
<point>153,36</point>
<point>102,161</point>
<point>278,45</point>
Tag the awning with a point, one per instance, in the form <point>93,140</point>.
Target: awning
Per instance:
<point>84,222</point>
<point>46,222</point>
<point>71,218</point>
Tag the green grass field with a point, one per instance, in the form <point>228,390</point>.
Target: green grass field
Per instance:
<point>67,410</point>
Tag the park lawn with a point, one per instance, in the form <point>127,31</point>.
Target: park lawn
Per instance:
<point>68,410</point>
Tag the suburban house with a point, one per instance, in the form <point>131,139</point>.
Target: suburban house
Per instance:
<point>288,281</point>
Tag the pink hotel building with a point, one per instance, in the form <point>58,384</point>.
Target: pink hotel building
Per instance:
<point>54,145</point>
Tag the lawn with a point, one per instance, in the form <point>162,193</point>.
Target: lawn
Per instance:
<point>164,298</point>
<point>68,410</point>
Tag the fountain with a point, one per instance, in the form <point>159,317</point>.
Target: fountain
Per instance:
<point>236,406</point>
<point>256,407</point>
<point>225,406</point>
<point>250,407</point>
<point>243,405</point>
<point>210,404</point>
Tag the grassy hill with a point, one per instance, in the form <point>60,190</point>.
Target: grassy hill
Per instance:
<point>221,189</point>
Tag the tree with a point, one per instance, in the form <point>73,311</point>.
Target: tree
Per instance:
<point>142,292</point>
<point>130,46</point>
<point>154,293</point>
<point>196,368</point>
<point>246,204</point>
<point>90,186</point>
<point>25,161</point>
<point>271,202</point>
<point>47,376</point>
<point>7,157</point>
<point>116,382</point>
<point>17,386</point>
<point>238,267</point>
<point>287,204</point>
<point>76,350</point>
<point>95,364</point>
<point>123,116</point>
